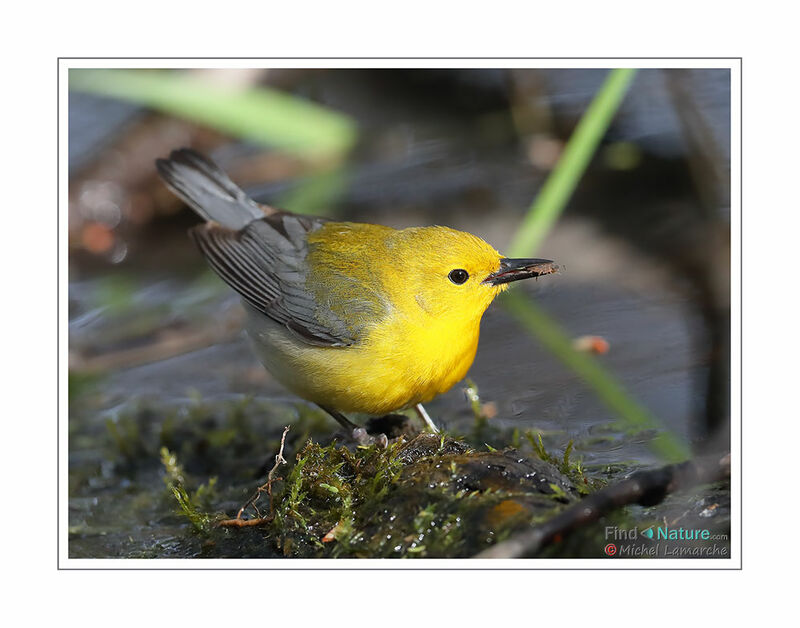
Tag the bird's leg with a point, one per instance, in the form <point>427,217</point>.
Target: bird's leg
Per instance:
<point>359,434</point>
<point>422,414</point>
<point>341,419</point>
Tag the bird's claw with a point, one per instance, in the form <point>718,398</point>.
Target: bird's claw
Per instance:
<point>361,437</point>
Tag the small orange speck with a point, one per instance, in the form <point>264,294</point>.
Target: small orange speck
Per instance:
<point>331,535</point>
<point>591,344</point>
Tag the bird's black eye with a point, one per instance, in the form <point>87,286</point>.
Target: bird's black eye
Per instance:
<point>458,276</point>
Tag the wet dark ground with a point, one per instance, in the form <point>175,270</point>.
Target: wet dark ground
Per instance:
<point>158,359</point>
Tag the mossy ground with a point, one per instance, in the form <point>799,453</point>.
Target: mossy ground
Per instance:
<point>154,481</point>
<point>427,495</point>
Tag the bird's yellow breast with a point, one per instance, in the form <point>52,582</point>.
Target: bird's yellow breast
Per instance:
<point>411,360</point>
<point>395,367</point>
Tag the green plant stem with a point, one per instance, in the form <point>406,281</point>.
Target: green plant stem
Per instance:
<point>559,186</point>
<point>532,318</point>
<point>544,211</point>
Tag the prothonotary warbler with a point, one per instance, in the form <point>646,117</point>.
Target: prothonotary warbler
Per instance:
<point>353,317</point>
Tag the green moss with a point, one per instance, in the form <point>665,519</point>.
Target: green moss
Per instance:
<point>573,470</point>
<point>192,505</point>
<point>432,496</point>
<point>423,496</point>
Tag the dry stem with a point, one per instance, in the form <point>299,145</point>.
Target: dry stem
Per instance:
<point>238,522</point>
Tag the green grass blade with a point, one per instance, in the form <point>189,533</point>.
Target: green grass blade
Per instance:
<point>258,114</point>
<point>538,221</point>
<point>559,186</point>
<point>632,414</point>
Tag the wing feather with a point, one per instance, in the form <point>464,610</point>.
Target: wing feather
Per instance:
<point>265,263</point>
<point>259,251</point>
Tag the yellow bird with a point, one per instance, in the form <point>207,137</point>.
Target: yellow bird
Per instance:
<point>353,317</point>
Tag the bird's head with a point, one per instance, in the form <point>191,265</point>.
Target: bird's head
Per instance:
<point>453,274</point>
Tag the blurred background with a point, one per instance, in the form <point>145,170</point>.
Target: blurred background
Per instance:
<point>644,242</point>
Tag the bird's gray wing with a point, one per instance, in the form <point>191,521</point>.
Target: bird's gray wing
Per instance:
<point>265,262</point>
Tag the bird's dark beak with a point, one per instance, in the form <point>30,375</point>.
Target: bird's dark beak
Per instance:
<point>516,269</point>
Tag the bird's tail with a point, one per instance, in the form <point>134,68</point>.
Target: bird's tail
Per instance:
<point>206,188</point>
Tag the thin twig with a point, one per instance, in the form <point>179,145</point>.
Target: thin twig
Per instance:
<point>644,487</point>
<point>238,522</point>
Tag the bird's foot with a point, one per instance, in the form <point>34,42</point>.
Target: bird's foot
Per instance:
<point>364,439</point>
